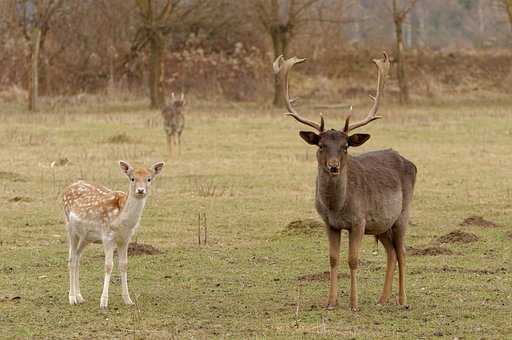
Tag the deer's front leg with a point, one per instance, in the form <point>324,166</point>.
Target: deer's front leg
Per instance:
<point>109,263</point>
<point>354,243</point>
<point>123,271</point>
<point>334,259</point>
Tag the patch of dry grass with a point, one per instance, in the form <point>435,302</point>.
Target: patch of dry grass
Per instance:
<point>246,168</point>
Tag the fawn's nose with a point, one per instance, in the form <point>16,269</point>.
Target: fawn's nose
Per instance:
<point>141,191</point>
<point>333,166</point>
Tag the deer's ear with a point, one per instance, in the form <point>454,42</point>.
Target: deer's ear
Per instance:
<point>157,168</point>
<point>310,137</point>
<point>358,139</point>
<point>125,167</point>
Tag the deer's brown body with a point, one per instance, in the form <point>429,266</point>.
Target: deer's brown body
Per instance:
<point>374,189</point>
<point>174,121</point>
<point>366,194</point>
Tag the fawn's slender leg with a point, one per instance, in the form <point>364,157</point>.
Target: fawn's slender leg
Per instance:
<point>334,259</point>
<point>390,267</point>
<point>73,243</point>
<point>109,263</point>
<point>122,250</point>
<point>80,248</point>
<point>354,243</point>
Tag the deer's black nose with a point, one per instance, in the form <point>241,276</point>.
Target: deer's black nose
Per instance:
<point>333,166</point>
<point>140,191</point>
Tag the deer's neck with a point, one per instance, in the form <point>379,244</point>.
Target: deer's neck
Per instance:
<point>332,190</point>
<point>131,213</point>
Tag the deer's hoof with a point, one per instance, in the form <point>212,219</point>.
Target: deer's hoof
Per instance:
<point>73,300</point>
<point>354,309</point>
<point>80,299</point>
<point>330,306</point>
<point>104,304</point>
<point>128,301</point>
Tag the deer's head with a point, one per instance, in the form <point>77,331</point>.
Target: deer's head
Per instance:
<point>178,102</point>
<point>141,178</point>
<point>332,144</point>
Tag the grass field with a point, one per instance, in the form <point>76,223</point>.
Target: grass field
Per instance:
<point>249,171</point>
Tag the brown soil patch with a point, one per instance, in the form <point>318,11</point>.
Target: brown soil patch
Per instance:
<point>12,176</point>
<point>429,251</point>
<point>136,249</point>
<point>121,138</point>
<point>457,236</point>
<point>449,269</point>
<point>478,221</point>
<point>509,235</point>
<point>306,226</point>
<point>23,199</point>
<point>319,277</point>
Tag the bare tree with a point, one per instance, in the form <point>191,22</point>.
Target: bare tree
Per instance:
<point>35,18</point>
<point>280,20</point>
<point>507,4</point>
<point>399,16</point>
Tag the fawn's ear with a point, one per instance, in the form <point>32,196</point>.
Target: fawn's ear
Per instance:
<point>157,168</point>
<point>125,167</point>
<point>310,137</point>
<point>358,139</point>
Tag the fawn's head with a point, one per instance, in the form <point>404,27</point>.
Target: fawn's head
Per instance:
<point>178,102</point>
<point>332,144</point>
<point>141,178</point>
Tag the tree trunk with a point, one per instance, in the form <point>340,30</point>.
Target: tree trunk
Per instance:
<point>34,83</point>
<point>280,47</point>
<point>508,7</point>
<point>156,70</point>
<point>400,70</point>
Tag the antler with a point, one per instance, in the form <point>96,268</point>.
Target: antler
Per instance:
<point>382,69</point>
<point>282,69</point>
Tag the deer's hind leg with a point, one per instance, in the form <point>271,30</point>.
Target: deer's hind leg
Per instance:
<point>387,242</point>
<point>398,236</point>
<point>72,263</point>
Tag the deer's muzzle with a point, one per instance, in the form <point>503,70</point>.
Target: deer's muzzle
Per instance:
<point>333,166</point>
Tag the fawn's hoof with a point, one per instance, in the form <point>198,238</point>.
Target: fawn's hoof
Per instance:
<point>128,301</point>
<point>104,304</point>
<point>80,299</point>
<point>354,309</point>
<point>73,300</point>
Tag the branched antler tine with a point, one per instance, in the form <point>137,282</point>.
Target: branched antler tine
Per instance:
<point>282,68</point>
<point>382,72</point>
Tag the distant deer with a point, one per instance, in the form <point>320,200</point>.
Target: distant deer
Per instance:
<point>366,194</point>
<point>96,214</point>
<point>174,121</point>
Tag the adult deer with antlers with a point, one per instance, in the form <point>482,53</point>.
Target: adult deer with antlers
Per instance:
<point>366,194</point>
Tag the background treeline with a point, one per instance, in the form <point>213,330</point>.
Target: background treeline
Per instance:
<point>223,48</point>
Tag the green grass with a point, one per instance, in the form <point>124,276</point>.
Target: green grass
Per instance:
<point>245,282</point>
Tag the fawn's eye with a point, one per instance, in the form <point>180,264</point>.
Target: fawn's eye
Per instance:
<point>132,179</point>
<point>149,179</point>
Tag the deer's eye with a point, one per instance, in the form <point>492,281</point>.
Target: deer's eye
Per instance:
<point>149,179</point>
<point>132,179</point>
<point>321,147</point>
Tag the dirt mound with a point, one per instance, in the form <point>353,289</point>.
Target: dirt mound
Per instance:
<point>12,176</point>
<point>457,236</point>
<point>23,199</point>
<point>428,251</point>
<point>121,138</point>
<point>478,221</point>
<point>136,249</point>
<point>306,226</point>
<point>318,277</point>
